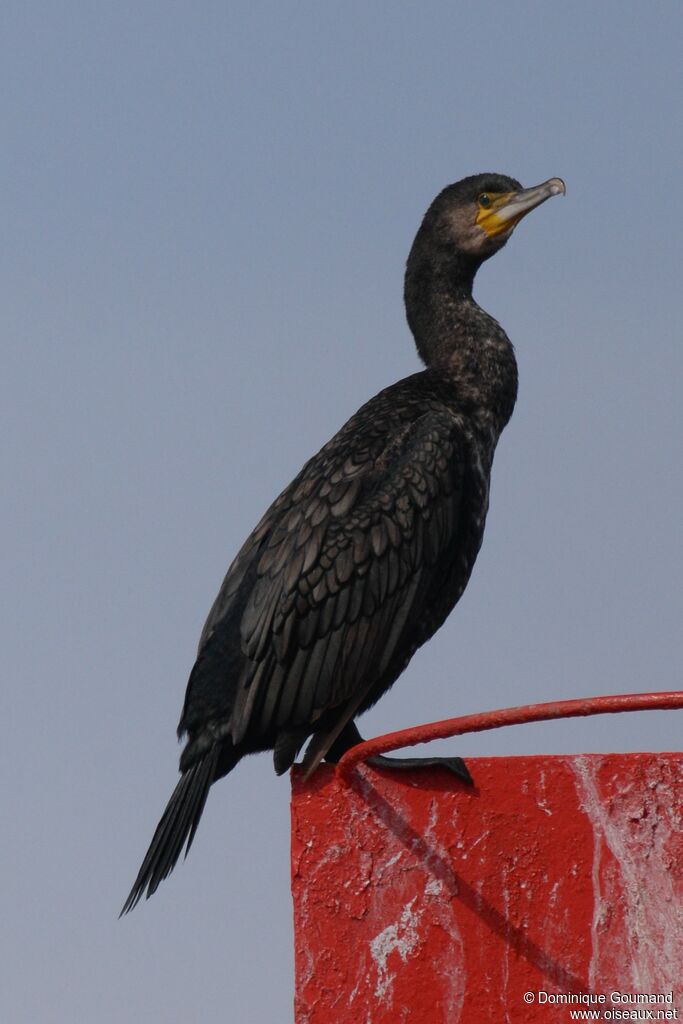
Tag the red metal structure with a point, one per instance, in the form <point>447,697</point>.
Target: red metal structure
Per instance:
<point>552,888</point>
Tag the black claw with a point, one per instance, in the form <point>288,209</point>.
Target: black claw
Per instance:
<point>455,765</point>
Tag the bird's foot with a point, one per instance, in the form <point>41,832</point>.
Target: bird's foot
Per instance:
<point>455,765</point>
<point>350,737</point>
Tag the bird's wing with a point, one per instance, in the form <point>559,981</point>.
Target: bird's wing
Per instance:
<point>342,570</point>
<point>237,571</point>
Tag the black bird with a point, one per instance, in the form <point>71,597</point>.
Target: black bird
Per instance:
<point>362,557</point>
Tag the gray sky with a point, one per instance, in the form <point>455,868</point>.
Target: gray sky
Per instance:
<point>206,212</point>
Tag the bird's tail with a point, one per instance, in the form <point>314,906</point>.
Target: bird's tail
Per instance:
<point>178,824</point>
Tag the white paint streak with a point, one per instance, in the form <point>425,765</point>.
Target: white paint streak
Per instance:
<point>647,953</point>
<point>435,909</point>
<point>401,938</point>
<point>542,794</point>
<point>433,887</point>
<point>506,959</point>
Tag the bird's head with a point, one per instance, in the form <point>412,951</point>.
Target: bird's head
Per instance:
<point>466,224</point>
<point>476,216</point>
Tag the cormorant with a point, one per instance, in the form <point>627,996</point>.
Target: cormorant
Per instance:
<point>362,557</point>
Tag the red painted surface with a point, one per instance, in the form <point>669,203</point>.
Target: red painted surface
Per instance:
<point>418,899</point>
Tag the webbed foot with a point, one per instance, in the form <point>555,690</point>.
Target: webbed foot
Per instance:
<point>350,737</point>
<point>455,765</point>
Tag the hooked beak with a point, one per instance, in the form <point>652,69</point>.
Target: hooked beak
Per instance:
<point>506,210</point>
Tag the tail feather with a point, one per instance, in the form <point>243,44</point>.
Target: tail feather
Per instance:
<point>176,829</point>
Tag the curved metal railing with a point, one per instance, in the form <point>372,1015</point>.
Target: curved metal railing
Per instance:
<point>666,700</point>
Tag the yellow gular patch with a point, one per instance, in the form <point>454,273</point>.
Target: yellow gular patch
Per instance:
<point>488,218</point>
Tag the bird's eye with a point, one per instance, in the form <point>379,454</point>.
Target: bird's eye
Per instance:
<point>484,200</point>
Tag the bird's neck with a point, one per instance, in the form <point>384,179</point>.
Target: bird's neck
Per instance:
<point>458,339</point>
